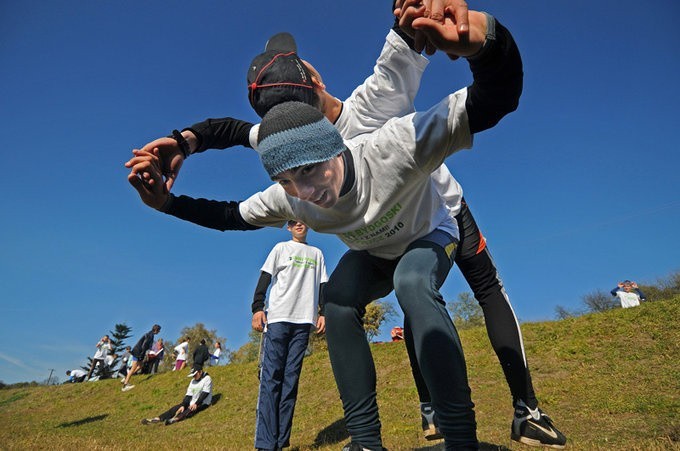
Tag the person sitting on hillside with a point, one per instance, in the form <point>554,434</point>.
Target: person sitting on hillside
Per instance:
<point>628,293</point>
<point>75,376</point>
<point>197,398</point>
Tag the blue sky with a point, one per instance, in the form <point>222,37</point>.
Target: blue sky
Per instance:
<point>575,191</point>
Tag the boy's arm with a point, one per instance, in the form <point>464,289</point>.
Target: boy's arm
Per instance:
<point>259,318</point>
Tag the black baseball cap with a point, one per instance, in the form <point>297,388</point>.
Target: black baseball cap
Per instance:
<point>278,75</point>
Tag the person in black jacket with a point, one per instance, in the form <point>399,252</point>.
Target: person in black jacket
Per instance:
<point>138,353</point>
<point>201,354</point>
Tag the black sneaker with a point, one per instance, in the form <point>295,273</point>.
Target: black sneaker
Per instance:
<point>151,420</point>
<point>171,421</point>
<point>429,422</point>
<point>354,446</point>
<point>535,428</point>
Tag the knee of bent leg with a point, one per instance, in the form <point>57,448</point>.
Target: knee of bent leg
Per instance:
<point>411,284</point>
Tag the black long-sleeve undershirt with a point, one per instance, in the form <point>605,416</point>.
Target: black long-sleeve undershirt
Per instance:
<point>261,293</point>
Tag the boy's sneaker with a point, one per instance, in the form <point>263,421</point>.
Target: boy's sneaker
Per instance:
<point>354,446</point>
<point>151,420</point>
<point>534,428</point>
<point>127,387</point>
<point>429,422</point>
<point>171,421</point>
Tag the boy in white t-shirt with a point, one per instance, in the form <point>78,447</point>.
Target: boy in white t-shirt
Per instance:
<point>198,397</point>
<point>628,293</point>
<point>296,273</point>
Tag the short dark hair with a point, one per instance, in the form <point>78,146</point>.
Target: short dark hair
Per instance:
<point>156,328</point>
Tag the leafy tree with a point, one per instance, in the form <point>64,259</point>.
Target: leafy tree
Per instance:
<point>599,301</point>
<point>665,288</point>
<point>118,336</point>
<point>249,351</point>
<point>377,312</point>
<point>198,332</point>
<point>466,312</point>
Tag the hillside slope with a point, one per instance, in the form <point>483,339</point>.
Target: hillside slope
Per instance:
<point>610,380</point>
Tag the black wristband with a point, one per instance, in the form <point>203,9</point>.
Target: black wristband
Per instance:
<point>182,142</point>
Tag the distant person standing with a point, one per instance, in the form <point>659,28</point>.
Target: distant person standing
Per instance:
<point>182,351</point>
<point>126,362</point>
<point>156,355</point>
<point>201,354</point>
<point>297,273</point>
<point>215,356</point>
<point>628,293</point>
<point>103,349</point>
<point>138,353</point>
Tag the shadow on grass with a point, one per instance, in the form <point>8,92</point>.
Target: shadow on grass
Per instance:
<point>13,398</point>
<point>83,421</point>
<point>216,398</point>
<point>334,433</point>
<point>483,446</point>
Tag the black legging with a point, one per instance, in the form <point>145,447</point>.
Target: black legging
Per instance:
<point>170,413</point>
<point>416,278</point>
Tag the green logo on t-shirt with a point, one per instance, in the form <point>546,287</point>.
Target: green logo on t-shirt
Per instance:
<point>303,262</point>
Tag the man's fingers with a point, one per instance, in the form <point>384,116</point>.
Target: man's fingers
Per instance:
<point>434,9</point>
<point>460,14</point>
<point>429,48</point>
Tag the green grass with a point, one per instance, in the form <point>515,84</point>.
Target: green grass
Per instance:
<point>610,380</point>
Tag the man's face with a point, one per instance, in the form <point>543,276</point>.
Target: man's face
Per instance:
<point>318,183</point>
<point>198,375</point>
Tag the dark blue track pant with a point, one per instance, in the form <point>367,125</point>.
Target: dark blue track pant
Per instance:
<point>282,352</point>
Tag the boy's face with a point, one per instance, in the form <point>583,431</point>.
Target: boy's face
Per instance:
<point>298,230</point>
<point>318,183</point>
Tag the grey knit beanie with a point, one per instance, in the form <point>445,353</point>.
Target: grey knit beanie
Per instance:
<point>294,134</point>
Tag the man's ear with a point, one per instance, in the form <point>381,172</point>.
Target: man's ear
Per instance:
<point>318,83</point>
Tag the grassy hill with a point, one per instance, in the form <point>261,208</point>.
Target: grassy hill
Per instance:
<point>610,380</point>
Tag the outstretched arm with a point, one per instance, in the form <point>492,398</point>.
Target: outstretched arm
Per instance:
<point>209,134</point>
<point>493,56</point>
<point>436,10</point>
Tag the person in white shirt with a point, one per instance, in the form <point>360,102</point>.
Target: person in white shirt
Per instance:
<point>76,375</point>
<point>198,397</point>
<point>215,356</point>
<point>628,293</point>
<point>182,351</point>
<point>377,198</point>
<point>103,349</point>
<point>296,273</point>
